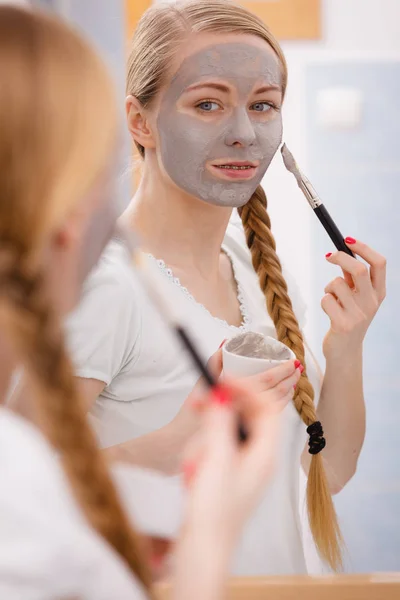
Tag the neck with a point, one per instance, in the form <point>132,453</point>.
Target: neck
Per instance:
<point>182,230</point>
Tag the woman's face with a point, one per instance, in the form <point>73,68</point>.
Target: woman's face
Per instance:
<point>218,119</point>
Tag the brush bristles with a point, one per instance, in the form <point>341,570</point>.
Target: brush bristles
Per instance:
<point>290,163</point>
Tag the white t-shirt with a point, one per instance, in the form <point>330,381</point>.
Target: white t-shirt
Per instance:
<point>117,337</point>
<point>48,551</point>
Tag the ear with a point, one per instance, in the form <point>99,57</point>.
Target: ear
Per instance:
<point>138,123</point>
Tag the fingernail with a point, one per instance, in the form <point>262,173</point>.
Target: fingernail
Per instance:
<point>221,395</point>
<point>221,344</point>
<point>350,240</point>
<point>328,255</point>
<point>297,364</point>
<point>294,387</point>
<point>301,368</point>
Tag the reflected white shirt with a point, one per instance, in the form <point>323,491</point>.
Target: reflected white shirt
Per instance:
<point>117,337</point>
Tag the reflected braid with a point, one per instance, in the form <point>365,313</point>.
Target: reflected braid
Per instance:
<point>257,227</point>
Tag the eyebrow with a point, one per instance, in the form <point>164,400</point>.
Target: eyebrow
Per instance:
<point>217,86</point>
<point>224,88</point>
<point>268,88</point>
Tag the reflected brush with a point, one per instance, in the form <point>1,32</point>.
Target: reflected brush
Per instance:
<point>155,286</point>
<point>315,202</point>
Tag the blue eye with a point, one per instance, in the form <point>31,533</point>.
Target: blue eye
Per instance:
<point>261,106</point>
<point>208,106</point>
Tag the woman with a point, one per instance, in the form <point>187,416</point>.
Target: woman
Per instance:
<point>206,81</point>
<point>63,531</point>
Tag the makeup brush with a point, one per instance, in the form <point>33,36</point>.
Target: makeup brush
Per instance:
<point>155,287</point>
<point>315,202</point>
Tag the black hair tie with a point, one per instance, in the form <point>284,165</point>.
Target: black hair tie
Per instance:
<point>317,442</point>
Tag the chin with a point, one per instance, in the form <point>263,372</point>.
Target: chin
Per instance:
<point>229,204</point>
<point>231,198</point>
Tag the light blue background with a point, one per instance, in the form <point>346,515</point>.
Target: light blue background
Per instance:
<point>357,173</point>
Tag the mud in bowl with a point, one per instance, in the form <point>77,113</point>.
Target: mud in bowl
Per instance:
<point>252,353</point>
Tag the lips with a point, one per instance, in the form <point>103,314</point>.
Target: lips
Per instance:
<point>236,165</point>
<point>234,169</point>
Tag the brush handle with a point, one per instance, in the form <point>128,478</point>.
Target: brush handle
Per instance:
<point>198,361</point>
<point>331,229</point>
<point>182,334</point>
<point>243,436</point>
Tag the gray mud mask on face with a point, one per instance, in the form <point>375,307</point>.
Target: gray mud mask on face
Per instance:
<point>188,142</point>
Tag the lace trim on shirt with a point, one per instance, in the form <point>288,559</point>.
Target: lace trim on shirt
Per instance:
<point>240,293</point>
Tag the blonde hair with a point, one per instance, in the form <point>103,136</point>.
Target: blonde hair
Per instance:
<point>157,40</point>
<point>58,126</point>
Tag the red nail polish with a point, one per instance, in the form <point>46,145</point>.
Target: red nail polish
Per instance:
<point>221,395</point>
<point>328,255</point>
<point>301,368</point>
<point>350,240</point>
<point>294,387</point>
<point>221,344</point>
<point>297,364</point>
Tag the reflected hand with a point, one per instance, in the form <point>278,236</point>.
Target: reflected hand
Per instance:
<point>268,386</point>
<point>352,301</point>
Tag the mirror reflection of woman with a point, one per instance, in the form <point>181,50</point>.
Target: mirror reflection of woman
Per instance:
<point>206,82</point>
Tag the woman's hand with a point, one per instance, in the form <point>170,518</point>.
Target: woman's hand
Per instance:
<point>267,386</point>
<point>352,301</point>
<point>225,477</point>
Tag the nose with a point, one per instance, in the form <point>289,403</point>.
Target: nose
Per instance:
<point>240,131</point>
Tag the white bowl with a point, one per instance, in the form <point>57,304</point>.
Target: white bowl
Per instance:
<point>237,365</point>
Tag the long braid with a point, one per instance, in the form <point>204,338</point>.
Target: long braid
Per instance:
<point>257,226</point>
<point>38,338</point>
